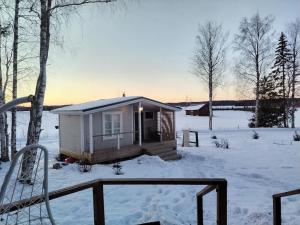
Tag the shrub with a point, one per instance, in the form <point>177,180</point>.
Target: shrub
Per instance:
<point>84,166</point>
<point>255,135</point>
<point>214,137</point>
<point>223,143</point>
<point>296,136</point>
<point>117,167</point>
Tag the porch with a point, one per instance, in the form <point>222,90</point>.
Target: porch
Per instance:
<point>164,149</point>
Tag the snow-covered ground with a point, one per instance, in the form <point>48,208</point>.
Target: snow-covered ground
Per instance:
<point>255,169</point>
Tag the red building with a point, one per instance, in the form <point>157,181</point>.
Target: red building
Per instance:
<point>197,110</point>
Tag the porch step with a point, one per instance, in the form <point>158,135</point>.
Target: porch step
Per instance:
<point>160,150</point>
<point>165,154</point>
<point>165,150</point>
<point>171,155</point>
<point>173,158</point>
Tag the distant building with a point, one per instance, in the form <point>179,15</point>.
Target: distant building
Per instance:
<point>197,110</point>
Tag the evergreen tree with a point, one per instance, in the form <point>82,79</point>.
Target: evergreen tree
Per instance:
<point>271,107</point>
<point>280,70</point>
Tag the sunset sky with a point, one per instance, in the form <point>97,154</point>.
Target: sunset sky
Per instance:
<point>145,48</point>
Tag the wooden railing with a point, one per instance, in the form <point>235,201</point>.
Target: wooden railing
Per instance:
<point>220,185</point>
<point>277,204</point>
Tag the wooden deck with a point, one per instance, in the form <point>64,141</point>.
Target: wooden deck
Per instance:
<point>165,149</point>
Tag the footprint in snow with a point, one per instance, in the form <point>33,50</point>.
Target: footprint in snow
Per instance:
<point>245,211</point>
<point>124,201</point>
<point>148,198</point>
<point>237,210</point>
<point>291,199</point>
<point>287,167</point>
<point>167,192</point>
<point>175,200</point>
<point>182,194</point>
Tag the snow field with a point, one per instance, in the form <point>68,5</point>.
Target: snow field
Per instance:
<point>254,169</point>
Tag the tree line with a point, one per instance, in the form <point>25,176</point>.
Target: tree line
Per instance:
<point>270,73</point>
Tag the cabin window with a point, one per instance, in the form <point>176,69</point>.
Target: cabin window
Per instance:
<point>112,124</point>
<point>149,115</point>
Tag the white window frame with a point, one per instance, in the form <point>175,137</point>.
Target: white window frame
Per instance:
<point>106,137</point>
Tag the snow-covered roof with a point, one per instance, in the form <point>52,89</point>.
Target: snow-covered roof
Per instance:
<point>194,107</point>
<point>104,104</point>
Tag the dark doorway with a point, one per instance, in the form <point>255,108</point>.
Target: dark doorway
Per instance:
<point>136,126</point>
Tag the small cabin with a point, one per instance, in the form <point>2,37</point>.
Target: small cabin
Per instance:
<point>197,110</point>
<point>118,128</point>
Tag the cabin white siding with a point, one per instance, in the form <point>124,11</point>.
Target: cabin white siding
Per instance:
<point>69,133</point>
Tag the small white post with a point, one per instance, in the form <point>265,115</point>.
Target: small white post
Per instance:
<point>82,134</point>
<point>140,123</point>
<point>118,137</point>
<point>186,138</point>
<point>91,133</point>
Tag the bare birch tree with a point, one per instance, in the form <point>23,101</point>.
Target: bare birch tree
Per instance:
<point>293,32</point>
<point>254,45</point>
<point>209,58</point>
<point>45,10</point>
<point>5,60</point>
<point>13,148</point>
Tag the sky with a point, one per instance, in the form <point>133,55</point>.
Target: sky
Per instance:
<point>144,47</point>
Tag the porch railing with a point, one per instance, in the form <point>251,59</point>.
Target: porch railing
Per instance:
<point>277,204</point>
<point>220,185</point>
<point>117,138</point>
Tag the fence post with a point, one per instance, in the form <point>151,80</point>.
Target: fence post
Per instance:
<point>118,137</point>
<point>276,210</point>
<point>199,210</point>
<point>98,200</point>
<point>197,139</point>
<point>222,203</point>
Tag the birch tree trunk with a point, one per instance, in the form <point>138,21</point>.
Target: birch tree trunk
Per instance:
<point>13,149</point>
<point>293,89</point>
<point>210,87</point>
<point>257,91</point>
<point>34,127</point>
<point>4,152</point>
<point>294,34</point>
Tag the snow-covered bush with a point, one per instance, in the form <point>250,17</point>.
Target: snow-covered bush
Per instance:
<point>214,137</point>
<point>117,167</point>
<point>223,143</point>
<point>296,136</point>
<point>255,135</point>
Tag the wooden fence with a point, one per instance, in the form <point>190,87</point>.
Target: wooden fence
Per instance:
<point>220,185</point>
<point>277,204</point>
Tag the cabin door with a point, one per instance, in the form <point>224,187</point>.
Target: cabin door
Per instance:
<point>136,126</point>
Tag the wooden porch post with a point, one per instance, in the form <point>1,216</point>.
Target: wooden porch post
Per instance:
<point>140,123</point>
<point>160,126</point>
<point>174,125</point>
<point>91,133</point>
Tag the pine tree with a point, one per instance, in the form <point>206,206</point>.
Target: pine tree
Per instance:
<point>270,108</point>
<point>280,71</point>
